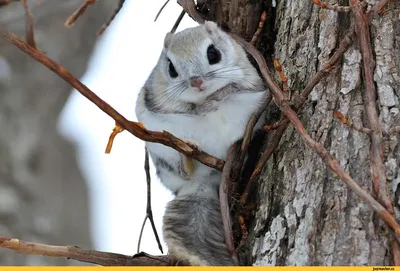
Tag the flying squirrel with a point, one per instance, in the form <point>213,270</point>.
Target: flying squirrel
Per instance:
<point>203,90</point>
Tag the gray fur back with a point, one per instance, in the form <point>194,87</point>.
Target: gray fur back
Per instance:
<point>193,231</point>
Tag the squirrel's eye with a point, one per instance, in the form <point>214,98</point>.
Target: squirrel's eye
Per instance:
<point>171,70</point>
<point>213,55</point>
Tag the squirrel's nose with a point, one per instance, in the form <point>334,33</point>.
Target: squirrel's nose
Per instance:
<point>196,82</point>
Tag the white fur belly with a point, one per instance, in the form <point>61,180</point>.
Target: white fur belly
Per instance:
<point>215,132</point>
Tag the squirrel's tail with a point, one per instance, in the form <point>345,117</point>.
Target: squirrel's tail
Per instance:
<point>193,229</point>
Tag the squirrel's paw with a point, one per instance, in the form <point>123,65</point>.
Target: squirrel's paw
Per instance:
<point>189,164</point>
<point>192,143</point>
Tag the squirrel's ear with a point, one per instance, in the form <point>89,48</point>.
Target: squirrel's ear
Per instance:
<point>211,27</point>
<point>167,39</point>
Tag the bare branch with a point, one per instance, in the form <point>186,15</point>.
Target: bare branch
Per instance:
<point>161,9</point>
<point>141,233</point>
<point>252,122</point>
<point>260,27</point>
<point>149,212</point>
<point>83,255</point>
<point>29,25</point>
<point>178,21</point>
<point>272,145</point>
<point>238,164</point>
<point>109,21</point>
<point>350,124</point>
<point>223,197</point>
<point>376,150</point>
<point>282,75</point>
<point>135,128</point>
<point>77,13</point>
<point>190,8</point>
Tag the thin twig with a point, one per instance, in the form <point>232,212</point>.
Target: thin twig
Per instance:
<point>141,233</point>
<point>284,80</point>
<point>178,21</point>
<point>272,145</point>
<point>259,28</point>
<point>29,25</point>
<point>161,9</point>
<point>223,198</point>
<point>149,212</point>
<point>376,149</point>
<point>29,21</point>
<point>84,255</point>
<point>135,128</point>
<point>350,124</point>
<point>77,13</point>
<point>238,164</point>
<point>190,8</point>
<point>109,21</point>
<point>252,122</point>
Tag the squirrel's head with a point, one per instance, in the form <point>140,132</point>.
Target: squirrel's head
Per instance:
<point>199,61</point>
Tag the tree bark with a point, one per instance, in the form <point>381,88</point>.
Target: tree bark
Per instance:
<point>305,215</point>
<point>43,197</point>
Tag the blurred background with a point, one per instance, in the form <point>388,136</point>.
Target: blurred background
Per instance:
<point>57,186</point>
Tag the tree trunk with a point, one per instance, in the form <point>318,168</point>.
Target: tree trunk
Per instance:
<point>43,197</point>
<point>305,215</point>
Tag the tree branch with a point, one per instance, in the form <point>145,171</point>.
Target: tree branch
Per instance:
<point>83,255</point>
<point>78,12</point>
<point>223,197</point>
<point>376,149</point>
<point>113,15</point>
<point>149,211</point>
<point>137,129</point>
<point>29,25</point>
<point>190,8</point>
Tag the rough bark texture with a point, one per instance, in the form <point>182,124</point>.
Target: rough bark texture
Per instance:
<point>305,215</point>
<point>43,197</point>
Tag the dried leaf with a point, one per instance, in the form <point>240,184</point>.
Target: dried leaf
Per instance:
<point>117,129</point>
